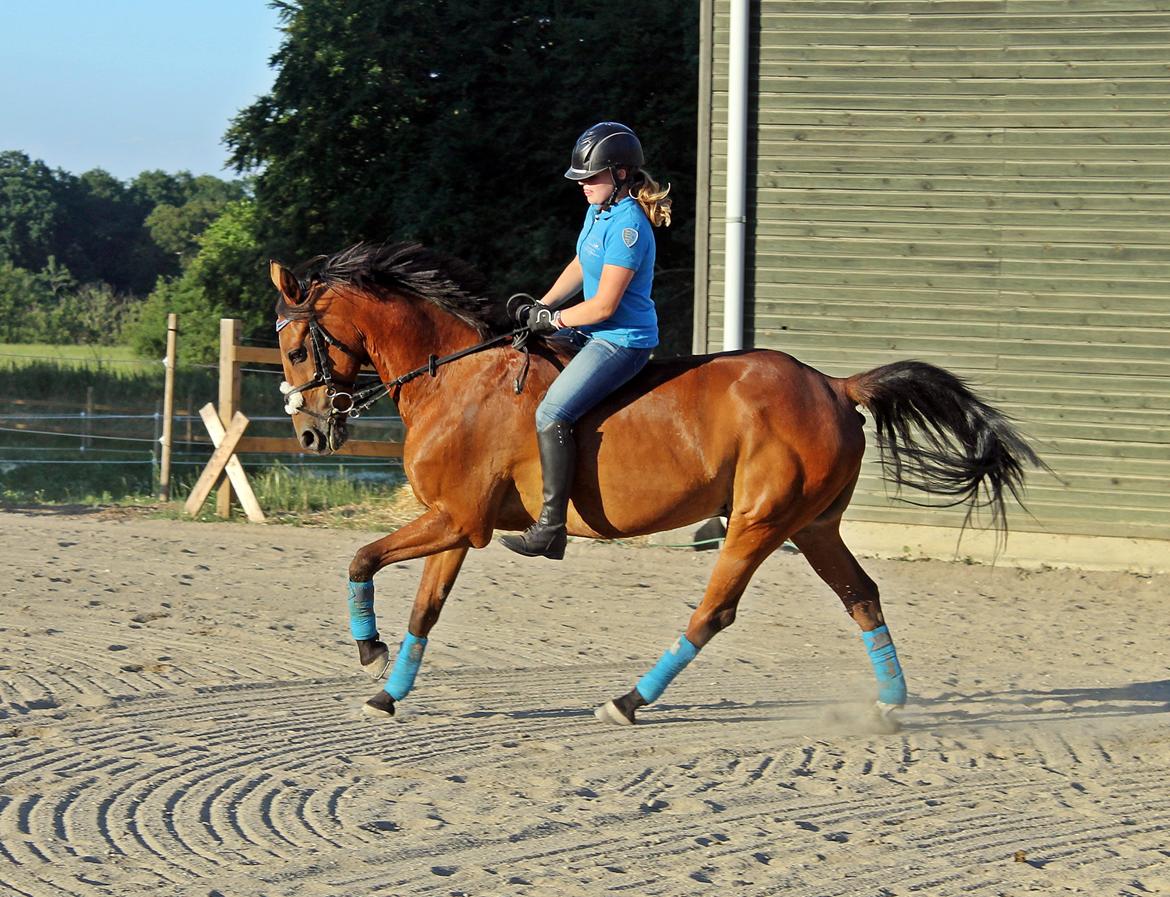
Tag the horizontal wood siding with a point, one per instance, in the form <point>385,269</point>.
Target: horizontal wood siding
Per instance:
<point>984,186</point>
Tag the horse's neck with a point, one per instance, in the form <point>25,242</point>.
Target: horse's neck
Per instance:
<point>397,347</point>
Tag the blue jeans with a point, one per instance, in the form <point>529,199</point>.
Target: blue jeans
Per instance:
<point>592,374</point>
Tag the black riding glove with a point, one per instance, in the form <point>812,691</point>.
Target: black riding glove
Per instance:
<point>540,318</point>
<point>518,306</point>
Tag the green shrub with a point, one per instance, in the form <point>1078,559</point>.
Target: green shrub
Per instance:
<point>227,279</point>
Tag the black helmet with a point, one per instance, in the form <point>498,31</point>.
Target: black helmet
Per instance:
<point>608,144</point>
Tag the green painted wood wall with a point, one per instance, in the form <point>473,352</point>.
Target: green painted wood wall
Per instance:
<point>980,184</point>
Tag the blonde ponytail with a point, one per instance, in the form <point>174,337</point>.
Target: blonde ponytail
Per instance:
<point>651,197</point>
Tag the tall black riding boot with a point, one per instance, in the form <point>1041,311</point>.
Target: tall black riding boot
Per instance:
<point>558,456</point>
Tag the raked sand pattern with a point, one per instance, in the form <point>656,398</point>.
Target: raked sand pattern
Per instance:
<point>179,715</point>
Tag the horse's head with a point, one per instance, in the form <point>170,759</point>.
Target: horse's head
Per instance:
<point>321,360</point>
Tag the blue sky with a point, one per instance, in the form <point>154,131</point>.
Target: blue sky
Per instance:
<point>130,85</point>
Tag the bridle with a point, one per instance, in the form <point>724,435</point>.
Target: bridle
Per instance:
<point>342,399</point>
<point>345,402</point>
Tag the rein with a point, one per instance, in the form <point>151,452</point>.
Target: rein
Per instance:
<point>354,404</point>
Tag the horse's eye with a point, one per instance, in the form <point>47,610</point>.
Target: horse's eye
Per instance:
<point>297,355</point>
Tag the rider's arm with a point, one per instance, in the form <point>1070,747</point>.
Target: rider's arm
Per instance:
<point>568,283</point>
<point>614,280</point>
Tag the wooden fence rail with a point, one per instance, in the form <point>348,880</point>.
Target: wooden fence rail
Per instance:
<point>232,357</point>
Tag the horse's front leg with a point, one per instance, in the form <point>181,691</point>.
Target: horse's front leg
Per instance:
<point>445,546</point>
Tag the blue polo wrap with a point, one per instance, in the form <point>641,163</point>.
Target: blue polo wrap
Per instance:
<point>362,624</point>
<point>891,682</point>
<point>653,684</point>
<point>406,666</point>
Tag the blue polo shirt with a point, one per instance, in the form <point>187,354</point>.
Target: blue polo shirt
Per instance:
<point>621,236</point>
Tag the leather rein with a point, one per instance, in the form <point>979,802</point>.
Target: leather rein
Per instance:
<point>354,404</point>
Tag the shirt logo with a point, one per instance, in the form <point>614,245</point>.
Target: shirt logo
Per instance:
<point>630,236</point>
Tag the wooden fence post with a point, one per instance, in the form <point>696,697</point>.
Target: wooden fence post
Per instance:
<point>232,466</point>
<point>164,475</point>
<point>230,331</point>
<point>232,356</point>
<point>224,452</point>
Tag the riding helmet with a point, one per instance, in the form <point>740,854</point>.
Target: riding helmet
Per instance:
<point>606,145</point>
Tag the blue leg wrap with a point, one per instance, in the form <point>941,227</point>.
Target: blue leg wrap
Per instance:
<point>406,666</point>
<point>653,684</point>
<point>891,682</point>
<point>362,624</point>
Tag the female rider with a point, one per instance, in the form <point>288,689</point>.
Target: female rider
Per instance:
<point>615,266</point>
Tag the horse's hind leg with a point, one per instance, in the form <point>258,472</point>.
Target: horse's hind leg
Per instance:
<point>823,548</point>
<point>747,546</point>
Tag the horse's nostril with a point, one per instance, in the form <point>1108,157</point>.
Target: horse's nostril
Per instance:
<point>312,438</point>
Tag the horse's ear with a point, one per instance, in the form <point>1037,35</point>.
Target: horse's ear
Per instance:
<point>285,281</point>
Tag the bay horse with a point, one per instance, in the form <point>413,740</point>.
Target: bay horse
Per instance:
<point>755,436</point>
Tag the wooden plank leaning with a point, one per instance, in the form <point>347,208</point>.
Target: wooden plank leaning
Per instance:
<point>224,460</point>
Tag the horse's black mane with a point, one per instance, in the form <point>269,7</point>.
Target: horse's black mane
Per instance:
<point>447,282</point>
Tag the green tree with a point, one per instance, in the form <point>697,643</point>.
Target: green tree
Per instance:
<point>226,278</point>
<point>31,302</point>
<point>102,236</point>
<point>92,314</point>
<point>77,251</point>
<point>382,125</point>
<point>155,187</point>
<point>175,225</point>
<point>30,210</point>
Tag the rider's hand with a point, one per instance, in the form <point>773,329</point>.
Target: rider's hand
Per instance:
<point>518,307</point>
<point>539,318</point>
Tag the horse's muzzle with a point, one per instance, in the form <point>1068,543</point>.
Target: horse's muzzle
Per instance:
<point>334,437</point>
<point>313,440</point>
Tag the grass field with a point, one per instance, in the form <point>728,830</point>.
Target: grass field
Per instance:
<point>52,452</point>
<point>21,354</point>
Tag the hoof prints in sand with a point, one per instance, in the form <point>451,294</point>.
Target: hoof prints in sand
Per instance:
<point>286,780</point>
<point>216,775</point>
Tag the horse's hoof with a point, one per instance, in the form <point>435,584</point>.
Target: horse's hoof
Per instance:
<point>377,666</point>
<point>374,657</point>
<point>380,706</point>
<point>609,712</point>
<point>883,714</point>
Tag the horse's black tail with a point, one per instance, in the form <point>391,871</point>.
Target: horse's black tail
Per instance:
<point>938,437</point>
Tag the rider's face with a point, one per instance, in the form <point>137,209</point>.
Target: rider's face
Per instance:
<point>598,187</point>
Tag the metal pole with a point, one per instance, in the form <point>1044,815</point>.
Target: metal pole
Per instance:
<point>737,138</point>
<point>164,476</point>
<point>87,418</point>
<point>701,327</point>
<point>190,417</point>
<point>154,447</point>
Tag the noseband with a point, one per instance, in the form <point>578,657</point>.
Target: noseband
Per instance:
<point>343,401</point>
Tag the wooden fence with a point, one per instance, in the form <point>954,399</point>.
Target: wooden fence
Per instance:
<point>232,357</point>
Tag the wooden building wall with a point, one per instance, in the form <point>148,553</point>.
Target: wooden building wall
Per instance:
<point>980,184</point>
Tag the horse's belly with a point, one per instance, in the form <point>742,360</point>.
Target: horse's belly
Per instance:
<point>632,484</point>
